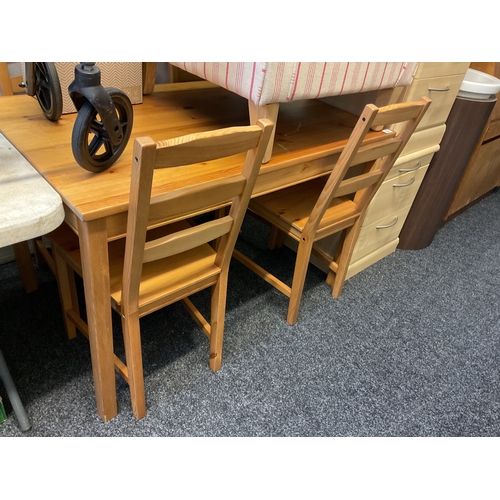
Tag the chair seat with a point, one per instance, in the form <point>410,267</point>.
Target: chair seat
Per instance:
<point>290,208</point>
<point>190,271</point>
<point>184,271</point>
<point>335,203</point>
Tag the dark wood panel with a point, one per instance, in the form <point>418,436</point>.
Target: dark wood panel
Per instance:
<point>464,128</point>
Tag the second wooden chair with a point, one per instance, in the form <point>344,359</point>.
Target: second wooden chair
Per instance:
<point>313,210</point>
<point>152,269</point>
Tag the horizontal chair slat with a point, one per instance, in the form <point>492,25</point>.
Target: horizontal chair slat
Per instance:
<point>194,198</point>
<point>356,183</point>
<point>397,113</point>
<point>215,144</point>
<point>186,239</point>
<point>376,150</point>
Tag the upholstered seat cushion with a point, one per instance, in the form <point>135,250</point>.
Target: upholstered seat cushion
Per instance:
<point>276,82</point>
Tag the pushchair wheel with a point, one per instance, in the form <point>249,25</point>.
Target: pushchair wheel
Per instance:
<point>92,147</point>
<point>47,89</point>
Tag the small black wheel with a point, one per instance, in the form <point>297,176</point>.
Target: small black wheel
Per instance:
<point>92,148</point>
<point>48,90</point>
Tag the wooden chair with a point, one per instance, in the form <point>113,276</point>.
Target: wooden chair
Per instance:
<point>150,270</point>
<point>313,210</point>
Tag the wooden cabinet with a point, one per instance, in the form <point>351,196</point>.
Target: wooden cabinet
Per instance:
<point>389,208</point>
<point>482,173</point>
<point>380,235</point>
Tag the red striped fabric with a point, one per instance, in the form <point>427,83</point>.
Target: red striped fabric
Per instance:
<point>271,82</point>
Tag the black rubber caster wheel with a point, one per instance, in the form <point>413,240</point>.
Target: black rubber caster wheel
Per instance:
<point>90,141</point>
<point>48,90</point>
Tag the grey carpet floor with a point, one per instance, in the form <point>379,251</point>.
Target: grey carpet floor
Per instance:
<point>411,348</point>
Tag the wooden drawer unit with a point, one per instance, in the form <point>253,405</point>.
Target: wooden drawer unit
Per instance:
<point>388,210</point>
<point>423,139</point>
<point>380,233</point>
<point>395,194</point>
<point>387,213</point>
<point>366,261</point>
<point>443,92</point>
<point>410,163</point>
<point>433,69</point>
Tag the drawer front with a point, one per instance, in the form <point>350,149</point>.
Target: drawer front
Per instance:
<point>412,162</point>
<point>357,266</point>
<point>379,233</point>
<point>394,194</point>
<point>423,139</point>
<point>442,91</point>
<point>433,69</point>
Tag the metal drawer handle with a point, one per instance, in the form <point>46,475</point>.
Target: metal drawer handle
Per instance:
<point>434,89</point>
<point>406,184</point>
<point>419,164</point>
<point>393,223</point>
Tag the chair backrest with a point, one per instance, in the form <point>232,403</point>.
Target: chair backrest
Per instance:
<point>234,191</point>
<point>377,157</point>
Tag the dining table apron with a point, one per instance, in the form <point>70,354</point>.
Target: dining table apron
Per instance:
<point>310,135</point>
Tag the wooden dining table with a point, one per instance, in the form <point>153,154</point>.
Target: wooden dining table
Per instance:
<point>309,138</point>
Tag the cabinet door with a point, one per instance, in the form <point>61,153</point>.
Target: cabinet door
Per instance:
<point>481,176</point>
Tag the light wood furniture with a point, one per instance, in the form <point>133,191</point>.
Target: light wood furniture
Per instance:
<point>179,261</point>
<point>387,213</point>
<point>96,205</point>
<point>335,203</point>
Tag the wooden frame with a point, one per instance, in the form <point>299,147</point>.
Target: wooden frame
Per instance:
<point>150,270</point>
<point>334,203</point>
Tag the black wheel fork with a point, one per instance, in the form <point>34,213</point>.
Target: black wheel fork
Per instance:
<point>87,87</point>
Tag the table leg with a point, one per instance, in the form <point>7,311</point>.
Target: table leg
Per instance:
<point>95,267</point>
<point>267,111</point>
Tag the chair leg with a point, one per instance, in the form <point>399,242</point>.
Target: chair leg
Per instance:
<point>344,260</point>
<point>217,313</point>
<point>330,279</point>
<point>25,265</point>
<point>67,292</point>
<point>276,238</point>
<point>133,354</point>
<point>299,278</point>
